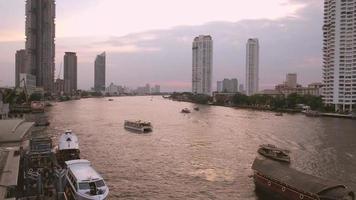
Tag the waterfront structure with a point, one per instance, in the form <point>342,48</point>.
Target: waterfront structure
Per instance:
<point>20,65</point>
<point>291,80</point>
<point>4,110</point>
<point>202,64</point>
<point>99,72</point>
<point>252,66</point>
<point>113,89</point>
<point>70,73</point>
<point>339,66</point>
<point>313,89</point>
<point>28,82</point>
<point>59,87</point>
<point>40,46</point>
<point>230,85</point>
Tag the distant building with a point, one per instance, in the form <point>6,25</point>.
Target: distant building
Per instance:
<point>156,89</point>
<point>252,66</point>
<point>40,47</point>
<point>230,85</point>
<point>4,110</point>
<point>70,73</point>
<point>99,72</point>
<point>219,86</point>
<point>112,89</point>
<point>59,87</point>
<point>202,65</point>
<point>241,88</point>
<point>20,65</point>
<point>147,89</point>
<point>291,80</point>
<point>314,89</point>
<point>339,77</point>
<point>30,81</point>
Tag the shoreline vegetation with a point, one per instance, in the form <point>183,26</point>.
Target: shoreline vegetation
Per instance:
<point>292,103</point>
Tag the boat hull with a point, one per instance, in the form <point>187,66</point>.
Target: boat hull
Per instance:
<point>278,190</point>
<point>141,130</point>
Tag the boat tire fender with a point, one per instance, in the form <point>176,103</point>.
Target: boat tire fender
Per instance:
<point>301,196</point>
<point>283,189</point>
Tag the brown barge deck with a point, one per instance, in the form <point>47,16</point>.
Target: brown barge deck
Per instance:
<point>281,180</point>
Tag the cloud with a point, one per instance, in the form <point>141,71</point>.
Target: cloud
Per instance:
<point>289,44</point>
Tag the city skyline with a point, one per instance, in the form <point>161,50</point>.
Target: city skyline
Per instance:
<point>164,58</point>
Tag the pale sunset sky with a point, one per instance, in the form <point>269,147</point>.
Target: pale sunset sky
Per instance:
<point>150,41</point>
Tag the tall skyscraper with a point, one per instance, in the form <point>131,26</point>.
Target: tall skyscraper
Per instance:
<point>20,65</point>
<point>70,73</point>
<point>230,85</point>
<point>40,47</point>
<point>99,72</point>
<point>202,64</point>
<point>252,66</point>
<point>291,80</point>
<point>339,74</point>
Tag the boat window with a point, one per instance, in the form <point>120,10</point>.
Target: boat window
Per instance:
<point>100,183</point>
<point>84,186</point>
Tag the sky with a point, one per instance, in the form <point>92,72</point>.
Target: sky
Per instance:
<point>150,41</point>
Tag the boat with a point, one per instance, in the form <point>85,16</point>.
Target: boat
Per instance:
<point>111,100</point>
<point>68,147</point>
<point>37,106</point>
<point>283,182</point>
<point>138,125</point>
<point>83,182</point>
<point>196,108</point>
<point>271,151</point>
<point>185,110</point>
<point>278,114</point>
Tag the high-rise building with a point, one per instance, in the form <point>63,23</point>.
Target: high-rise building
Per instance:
<point>339,74</point>
<point>99,72</point>
<point>59,86</point>
<point>202,64</point>
<point>252,66</point>
<point>40,47</point>
<point>70,73</point>
<point>291,80</point>
<point>156,89</point>
<point>20,65</point>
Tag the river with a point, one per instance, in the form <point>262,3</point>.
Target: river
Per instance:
<point>206,154</point>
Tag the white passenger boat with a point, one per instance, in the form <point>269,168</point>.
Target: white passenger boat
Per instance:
<point>83,182</point>
<point>139,125</point>
<point>68,147</point>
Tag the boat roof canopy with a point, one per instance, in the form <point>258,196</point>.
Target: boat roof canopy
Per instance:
<point>83,171</point>
<point>68,141</point>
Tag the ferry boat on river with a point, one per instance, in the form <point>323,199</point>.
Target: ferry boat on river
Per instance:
<point>283,182</point>
<point>83,182</point>
<point>68,147</point>
<point>273,152</point>
<point>140,126</point>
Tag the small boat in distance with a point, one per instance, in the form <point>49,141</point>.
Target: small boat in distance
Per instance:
<point>196,108</point>
<point>185,110</point>
<point>110,99</point>
<point>68,147</point>
<point>279,114</point>
<point>312,113</point>
<point>138,125</point>
<point>271,151</point>
<point>83,182</point>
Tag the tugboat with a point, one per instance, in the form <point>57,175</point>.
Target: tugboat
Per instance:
<point>283,182</point>
<point>271,151</point>
<point>185,110</point>
<point>83,182</point>
<point>68,148</point>
<point>140,126</point>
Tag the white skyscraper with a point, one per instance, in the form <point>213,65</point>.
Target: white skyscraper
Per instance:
<point>339,44</point>
<point>202,65</point>
<point>252,65</point>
